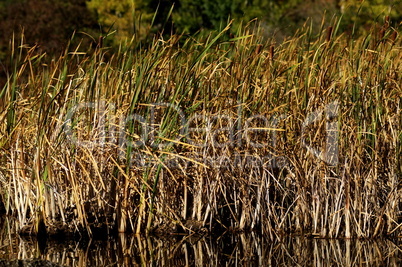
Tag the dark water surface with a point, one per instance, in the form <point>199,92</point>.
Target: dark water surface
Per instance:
<point>228,250</point>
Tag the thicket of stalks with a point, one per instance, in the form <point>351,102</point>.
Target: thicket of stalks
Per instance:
<point>209,133</point>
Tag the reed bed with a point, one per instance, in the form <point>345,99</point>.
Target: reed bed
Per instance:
<point>208,134</point>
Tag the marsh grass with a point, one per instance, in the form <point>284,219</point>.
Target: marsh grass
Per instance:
<point>208,133</point>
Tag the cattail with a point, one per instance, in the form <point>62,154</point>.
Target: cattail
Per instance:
<point>393,36</point>
<point>387,22</point>
<point>272,52</point>
<point>258,49</point>
<point>329,33</point>
<point>384,28</point>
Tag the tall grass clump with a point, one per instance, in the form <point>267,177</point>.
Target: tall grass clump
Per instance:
<point>208,133</point>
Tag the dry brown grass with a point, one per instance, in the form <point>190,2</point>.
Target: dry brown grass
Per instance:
<point>209,133</point>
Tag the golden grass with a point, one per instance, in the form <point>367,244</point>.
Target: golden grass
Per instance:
<point>226,133</point>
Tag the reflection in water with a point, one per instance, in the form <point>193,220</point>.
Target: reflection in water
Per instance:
<point>234,250</point>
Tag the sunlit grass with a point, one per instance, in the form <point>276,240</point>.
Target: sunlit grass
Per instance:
<point>210,132</point>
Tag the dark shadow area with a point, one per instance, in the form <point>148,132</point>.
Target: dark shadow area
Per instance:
<point>235,250</point>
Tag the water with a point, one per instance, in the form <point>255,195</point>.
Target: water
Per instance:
<point>228,250</point>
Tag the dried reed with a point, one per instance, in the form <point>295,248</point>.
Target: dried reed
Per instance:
<point>208,133</point>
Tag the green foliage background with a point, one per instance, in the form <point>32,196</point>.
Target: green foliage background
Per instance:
<point>51,23</point>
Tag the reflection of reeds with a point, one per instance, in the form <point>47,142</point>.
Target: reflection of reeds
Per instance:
<point>240,250</point>
<point>211,131</point>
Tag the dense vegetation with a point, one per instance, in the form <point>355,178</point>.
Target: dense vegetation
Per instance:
<point>208,133</point>
<point>51,23</point>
